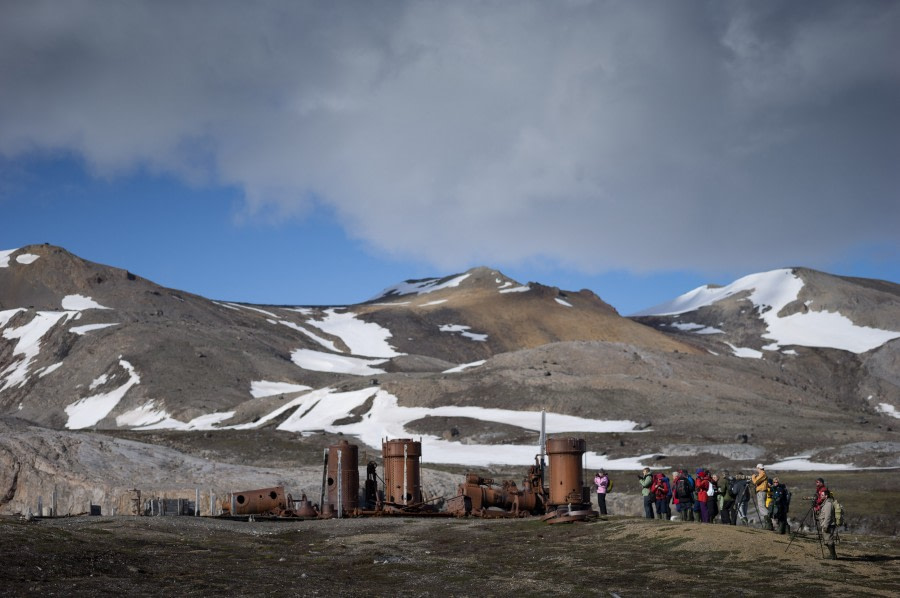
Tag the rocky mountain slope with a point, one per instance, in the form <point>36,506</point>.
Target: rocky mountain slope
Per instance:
<point>795,368</point>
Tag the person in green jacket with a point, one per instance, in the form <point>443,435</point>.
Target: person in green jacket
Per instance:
<point>647,481</point>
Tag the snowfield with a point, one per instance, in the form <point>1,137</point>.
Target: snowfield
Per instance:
<point>769,293</point>
<point>88,411</point>
<point>419,287</point>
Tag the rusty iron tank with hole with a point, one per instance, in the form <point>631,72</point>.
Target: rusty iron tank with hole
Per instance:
<point>264,501</point>
<point>402,477</point>
<point>342,480</point>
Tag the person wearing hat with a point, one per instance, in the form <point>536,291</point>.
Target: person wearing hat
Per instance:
<point>647,481</point>
<point>825,517</point>
<point>761,484</point>
<point>601,480</point>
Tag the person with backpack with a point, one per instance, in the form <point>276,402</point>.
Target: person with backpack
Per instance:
<point>781,502</point>
<point>667,513</point>
<point>602,482</point>
<point>825,517</point>
<point>646,481</point>
<point>660,489</point>
<point>684,494</point>
<point>702,488</point>
<point>729,515</point>
<point>712,503</point>
<point>741,490</point>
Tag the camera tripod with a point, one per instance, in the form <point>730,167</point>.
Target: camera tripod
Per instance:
<point>800,527</point>
<point>751,497</point>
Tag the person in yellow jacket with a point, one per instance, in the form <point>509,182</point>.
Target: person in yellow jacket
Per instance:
<point>761,484</point>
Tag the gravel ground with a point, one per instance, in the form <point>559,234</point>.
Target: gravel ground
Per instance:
<point>392,556</point>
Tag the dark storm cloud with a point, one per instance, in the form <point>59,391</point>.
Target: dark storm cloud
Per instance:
<point>637,135</point>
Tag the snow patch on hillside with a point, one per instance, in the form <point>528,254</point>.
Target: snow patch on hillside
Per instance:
<point>803,463</point>
<point>695,328</point>
<point>144,415</point>
<point>745,352</point>
<point>322,341</point>
<point>464,331</point>
<point>4,257</point>
<point>888,409</point>
<point>465,366</point>
<point>521,289</point>
<point>335,364</point>
<point>264,388</point>
<point>28,342</point>
<point>363,338</point>
<point>430,303</point>
<point>82,330</point>
<point>387,419</point>
<point>770,292</point>
<point>209,421</point>
<point>320,409</point>
<point>89,411</point>
<point>420,287</point>
<point>49,369</point>
<point>27,258</point>
<point>256,309</point>
<point>80,303</point>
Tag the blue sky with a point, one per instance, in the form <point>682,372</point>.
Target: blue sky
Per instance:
<point>310,153</point>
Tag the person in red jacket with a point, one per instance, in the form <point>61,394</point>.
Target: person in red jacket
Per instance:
<point>660,490</point>
<point>702,487</point>
<point>822,494</point>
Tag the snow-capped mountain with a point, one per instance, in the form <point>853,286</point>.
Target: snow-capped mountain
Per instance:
<point>795,307</point>
<point>465,361</point>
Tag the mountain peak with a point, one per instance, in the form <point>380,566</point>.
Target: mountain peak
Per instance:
<point>478,277</point>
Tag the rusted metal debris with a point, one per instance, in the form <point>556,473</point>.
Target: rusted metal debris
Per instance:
<point>565,499</point>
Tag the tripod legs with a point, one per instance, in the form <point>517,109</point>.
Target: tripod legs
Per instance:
<point>799,527</point>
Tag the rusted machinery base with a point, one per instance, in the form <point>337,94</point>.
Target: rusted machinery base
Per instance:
<point>567,516</point>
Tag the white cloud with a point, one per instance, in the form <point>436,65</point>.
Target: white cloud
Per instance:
<point>507,131</point>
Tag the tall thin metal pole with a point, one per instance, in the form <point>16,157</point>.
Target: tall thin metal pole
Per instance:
<point>340,486</point>
<point>405,446</point>
<point>543,441</point>
<point>324,475</point>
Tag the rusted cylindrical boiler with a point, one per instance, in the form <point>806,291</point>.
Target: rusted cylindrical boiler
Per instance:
<point>566,471</point>
<point>256,502</point>
<point>402,482</point>
<point>342,481</point>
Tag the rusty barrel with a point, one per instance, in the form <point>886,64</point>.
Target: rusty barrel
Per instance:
<point>343,476</point>
<point>402,481</point>
<point>254,502</point>
<point>566,471</point>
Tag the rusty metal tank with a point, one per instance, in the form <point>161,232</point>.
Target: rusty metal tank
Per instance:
<point>342,481</point>
<point>402,481</point>
<point>256,502</point>
<point>566,470</point>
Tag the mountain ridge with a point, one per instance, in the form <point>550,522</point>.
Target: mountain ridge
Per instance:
<point>88,347</point>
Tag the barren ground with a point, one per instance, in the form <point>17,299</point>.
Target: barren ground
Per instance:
<point>384,556</point>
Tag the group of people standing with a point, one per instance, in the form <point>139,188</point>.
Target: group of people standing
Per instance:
<point>705,496</point>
